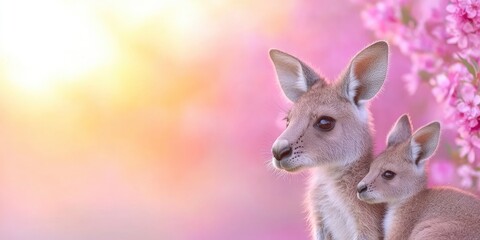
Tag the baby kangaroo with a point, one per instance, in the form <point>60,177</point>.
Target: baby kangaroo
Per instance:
<point>329,131</point>
<point>397,177</point>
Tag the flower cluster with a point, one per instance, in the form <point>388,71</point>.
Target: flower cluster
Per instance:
<point>463,24</point>
<point>442,40</point>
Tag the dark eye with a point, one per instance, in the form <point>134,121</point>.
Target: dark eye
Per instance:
<point>325,123</point>
<point>388,175</point>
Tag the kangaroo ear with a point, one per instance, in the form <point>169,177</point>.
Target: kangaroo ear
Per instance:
<point>366,73</point>
<point>424,142</point>
<point>401,131</point>
<point>295,77</point>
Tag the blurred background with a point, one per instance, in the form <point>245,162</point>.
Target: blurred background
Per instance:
<point>154,119</point>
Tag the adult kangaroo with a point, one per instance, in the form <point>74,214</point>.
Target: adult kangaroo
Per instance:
<point>329,131</point>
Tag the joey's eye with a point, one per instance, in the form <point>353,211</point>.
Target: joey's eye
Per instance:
<point>388,175</point>
<point>325,123</point>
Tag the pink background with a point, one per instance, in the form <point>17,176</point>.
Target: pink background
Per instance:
<point>168,134</point>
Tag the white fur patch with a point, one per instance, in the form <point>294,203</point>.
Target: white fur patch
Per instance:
<point>335,213</point>
<point>291,77</point>
<point>301,83</point>
<point>362,111</point>
<point>416,149</point>
<point>388,220</point>
<point>352,86</point>
<point>361,105</point>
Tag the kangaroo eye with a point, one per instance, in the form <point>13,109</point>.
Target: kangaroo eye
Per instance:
<point>325,123</point>
<point>388,175</point>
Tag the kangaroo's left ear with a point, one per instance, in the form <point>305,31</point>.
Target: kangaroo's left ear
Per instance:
<point>366,73</point>
<point>424,142</point>
<point>294,76</point>
<point>401,131</point>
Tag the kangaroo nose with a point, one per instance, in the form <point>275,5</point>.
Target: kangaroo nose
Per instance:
<point>362,187</point>
<point>284,152</point>
<point>281,149</point>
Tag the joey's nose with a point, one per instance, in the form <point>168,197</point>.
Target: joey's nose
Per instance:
<point>362,187</point>
<point>281,149</point>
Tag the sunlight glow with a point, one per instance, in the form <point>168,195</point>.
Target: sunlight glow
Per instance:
<point>47,45</point>
<point>50,43</point>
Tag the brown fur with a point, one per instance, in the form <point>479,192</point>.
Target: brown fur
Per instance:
<point>438,213</point>
<point>413,211</point>
<point>339,157</point>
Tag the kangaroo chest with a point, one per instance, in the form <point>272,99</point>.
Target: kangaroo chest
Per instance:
<point>332,210</point>
<point>388,220</point>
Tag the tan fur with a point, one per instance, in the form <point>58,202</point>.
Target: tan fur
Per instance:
<point>413,211</point>
<point>339,158</point>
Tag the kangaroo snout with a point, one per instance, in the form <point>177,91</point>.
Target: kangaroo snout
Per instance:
<point>281,149</point>
<point>361,187</point>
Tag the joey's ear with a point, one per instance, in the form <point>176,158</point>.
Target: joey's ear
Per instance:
<point>400,132</point>
<point>295,77</point>
<point>424,142</point>
<point>366,73</point>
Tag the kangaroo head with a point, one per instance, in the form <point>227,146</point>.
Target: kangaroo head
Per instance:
<point>399,172</point>
<point>329,122</point>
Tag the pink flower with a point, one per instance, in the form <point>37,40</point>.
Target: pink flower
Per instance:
<point>470,102</point>
<point>466,172</point>
<point>467,106</point>
<point>467,143</point>
<point>379,17</point>
<point>441,87</point>
<point>422,63</point>
<point>463,23</point>
<point>384,18</point>
<point>444,84</point>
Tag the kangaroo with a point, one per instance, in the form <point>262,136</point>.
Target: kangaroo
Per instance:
<point>397,177</point>
<point>329,132</point>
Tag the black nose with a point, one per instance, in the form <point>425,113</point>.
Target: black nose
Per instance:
<point>281,153</point>
<point>362,188</point>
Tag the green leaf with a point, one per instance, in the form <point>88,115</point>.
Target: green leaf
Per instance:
<point>471,69</point>
<point>406,17</point>
<point>424,75</point>
<point>474,63</point>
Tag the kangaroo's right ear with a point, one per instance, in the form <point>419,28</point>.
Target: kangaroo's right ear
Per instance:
<point>401,131</point>
<point>295,77</point>
<point>366,73</point>
<point>424,142</point>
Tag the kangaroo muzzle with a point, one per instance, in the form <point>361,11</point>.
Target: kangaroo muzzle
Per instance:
<point>361,187</point>
<point>281,149</point>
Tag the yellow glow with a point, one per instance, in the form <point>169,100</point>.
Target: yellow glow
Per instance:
<point>50,43</point>
<point>179,24</point>
<point>47,45</point>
